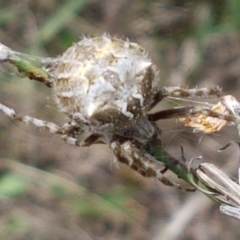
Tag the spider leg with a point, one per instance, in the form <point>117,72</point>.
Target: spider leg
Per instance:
<point>206,119</point>
<point>183,111</point>
<point>81,143</point>
<point>68,130</point>
<point>194,92</point>
<point>12,114</point>
<point>140,162</point>
<point>184,93</point>
<point>169,113</point>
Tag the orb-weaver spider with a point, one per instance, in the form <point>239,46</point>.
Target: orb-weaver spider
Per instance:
<point>107,87</point>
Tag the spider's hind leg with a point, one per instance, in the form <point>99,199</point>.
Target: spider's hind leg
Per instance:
<point>141,162</point>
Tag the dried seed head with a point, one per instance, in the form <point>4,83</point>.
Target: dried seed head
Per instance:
<point>104,83</point>
<point>214,121</point>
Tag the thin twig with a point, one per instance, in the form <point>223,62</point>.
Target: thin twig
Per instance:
<point>26,65</point>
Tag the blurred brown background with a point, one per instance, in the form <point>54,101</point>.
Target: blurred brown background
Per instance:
<point>49,190</point>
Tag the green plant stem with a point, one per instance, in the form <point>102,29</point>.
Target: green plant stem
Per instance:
<point>154,147</point>
<point>27,65</point>
<point>32,72</point>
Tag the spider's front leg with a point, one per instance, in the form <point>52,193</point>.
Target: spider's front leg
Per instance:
<point>13,115</point>
<point>140,161</point>
<point>69,131</point>
<point>192,92</point>
<point>178,92</point>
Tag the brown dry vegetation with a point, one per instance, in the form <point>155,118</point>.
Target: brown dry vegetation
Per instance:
<point>49,190</point>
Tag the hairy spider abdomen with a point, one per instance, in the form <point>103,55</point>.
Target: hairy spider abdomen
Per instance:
<point>104,83</point>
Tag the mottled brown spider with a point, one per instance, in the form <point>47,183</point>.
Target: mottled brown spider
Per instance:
<point>107,87</point>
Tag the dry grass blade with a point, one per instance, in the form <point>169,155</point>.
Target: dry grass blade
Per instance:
<point>229,190</point>
<point>230,211</point>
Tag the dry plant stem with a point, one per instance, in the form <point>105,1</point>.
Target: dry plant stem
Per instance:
<point>230,211</point>
<point>182,217</point>
<point>232,206</point>
<point>229,190</point>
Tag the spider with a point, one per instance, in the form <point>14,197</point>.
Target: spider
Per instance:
<point>107,87</point>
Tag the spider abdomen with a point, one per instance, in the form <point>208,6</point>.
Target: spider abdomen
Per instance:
<point>104,82</point>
